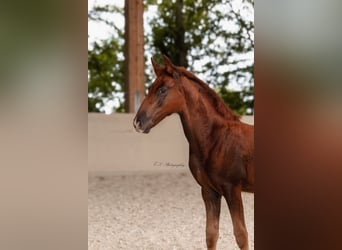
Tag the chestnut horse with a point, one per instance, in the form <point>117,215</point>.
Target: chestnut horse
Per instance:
<point>221,146</point>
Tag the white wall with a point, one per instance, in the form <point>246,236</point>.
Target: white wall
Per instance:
<point>113,145</point>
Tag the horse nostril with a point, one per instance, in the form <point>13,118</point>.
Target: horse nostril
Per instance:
<point>139,121</point>
<point>136,122</point>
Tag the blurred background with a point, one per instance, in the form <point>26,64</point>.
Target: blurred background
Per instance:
<point>45,92</point>
<point>214,39</point>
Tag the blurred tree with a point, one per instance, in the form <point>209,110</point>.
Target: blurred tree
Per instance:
<point>214,31</point>
<point>212,38</point>
<point>105,75</point>
<point>106,64</point>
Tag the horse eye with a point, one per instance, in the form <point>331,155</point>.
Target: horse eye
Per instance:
<point>162,90</point>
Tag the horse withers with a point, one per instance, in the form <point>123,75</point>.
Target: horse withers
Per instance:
<point>221,147</point>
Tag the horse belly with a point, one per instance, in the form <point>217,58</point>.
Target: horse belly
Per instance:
<point>221,168</point>
<point>226,168</point>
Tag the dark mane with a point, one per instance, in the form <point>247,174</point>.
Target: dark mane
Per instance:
<point>217,102</point>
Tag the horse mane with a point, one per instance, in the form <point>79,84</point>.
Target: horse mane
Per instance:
<point>217,102</point>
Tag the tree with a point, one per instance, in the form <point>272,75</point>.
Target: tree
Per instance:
<point>217,32</point>
<point>106,64</point>
<point>105,75</point>
<point>212,38</point>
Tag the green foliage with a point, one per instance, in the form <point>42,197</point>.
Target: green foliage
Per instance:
<point>212,38</point>
<point>106,64</point>
<point>239,101</point>
<point>105,74</point>
<point>212,31</point>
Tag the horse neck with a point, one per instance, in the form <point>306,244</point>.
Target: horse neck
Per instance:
<point>198,117</point>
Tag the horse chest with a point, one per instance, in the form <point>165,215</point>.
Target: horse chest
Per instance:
<point>202,173</point>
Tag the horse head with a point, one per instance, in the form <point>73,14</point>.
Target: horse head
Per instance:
<point>165,97</point>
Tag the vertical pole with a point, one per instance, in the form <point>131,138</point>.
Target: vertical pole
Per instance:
<point>134,55</point>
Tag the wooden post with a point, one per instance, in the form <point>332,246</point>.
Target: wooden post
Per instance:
<point>134,55</point>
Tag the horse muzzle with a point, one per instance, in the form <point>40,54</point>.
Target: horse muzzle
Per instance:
<point>141,123</point>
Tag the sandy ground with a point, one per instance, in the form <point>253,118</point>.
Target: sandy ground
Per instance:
<point>154,211</point>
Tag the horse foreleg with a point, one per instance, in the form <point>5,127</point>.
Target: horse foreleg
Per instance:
<point>234,200</point>
<point>212,201</point>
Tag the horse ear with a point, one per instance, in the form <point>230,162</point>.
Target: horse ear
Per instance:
<point>157,69</point>
<point>167,61</point>
<point>169,67</point>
